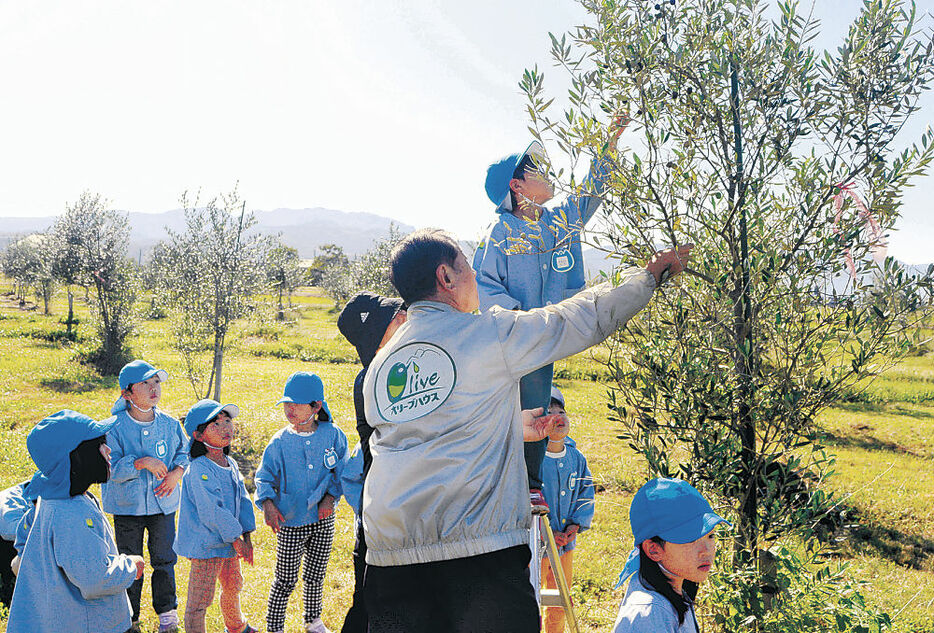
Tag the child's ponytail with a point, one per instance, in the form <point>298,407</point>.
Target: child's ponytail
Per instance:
<point>652,575</point>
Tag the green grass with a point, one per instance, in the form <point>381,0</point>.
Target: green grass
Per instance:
<point>884,442</point>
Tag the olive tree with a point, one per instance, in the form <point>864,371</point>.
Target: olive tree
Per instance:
<point>780,163</point>
<point>284,274</point>
<point>210,273</point>
<point>89,242</point>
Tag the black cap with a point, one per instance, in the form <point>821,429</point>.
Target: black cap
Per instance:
<point>364,320</point>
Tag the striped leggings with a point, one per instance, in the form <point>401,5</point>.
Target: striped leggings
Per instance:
<point>314,542</point>
<point>204,574</point>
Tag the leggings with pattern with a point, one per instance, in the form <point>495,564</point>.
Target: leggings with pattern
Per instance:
<point>313,543</point>
<point>205,572</point>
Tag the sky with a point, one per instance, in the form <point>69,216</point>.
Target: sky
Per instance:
<point>385,106</point>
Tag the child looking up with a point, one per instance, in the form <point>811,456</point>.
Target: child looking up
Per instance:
<point>71,577</point>
<point>215,518</point>
<point>544,268</point>
<point>149,452</point>
<point>568,489</point>
<point>297,486</point>
<point>672,525</point>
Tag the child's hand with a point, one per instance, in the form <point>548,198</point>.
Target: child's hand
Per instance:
<point>272,516</point>
<point>171,480</point>
<point>140,564</point>
<point>326,507</point>
<point>620,123</point>
<point>153,465</point>
<point>561,539</point>
<point>571,532</point>
<point>244,548</point>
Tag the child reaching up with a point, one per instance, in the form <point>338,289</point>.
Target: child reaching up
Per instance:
<point>673,527</point>
<point>544,268</point>
<point>71,577</point>
<point>149,452</point>
<point>215,518</point>
<point>297,486</point>
<point>568,489</point>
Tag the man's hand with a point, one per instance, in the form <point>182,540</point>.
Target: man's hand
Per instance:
<point>153,465</point>
<point>272,516</point>
<point>669,262</point>
<point>171,480</point>
<point>140,564</point>
<point>326,506</point>
<point>536,426</point>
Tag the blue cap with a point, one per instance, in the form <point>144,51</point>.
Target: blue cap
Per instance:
<point>49,444</point>
<point>671,509</point>
<point>304,387</point>
<point>556,395</point>
<point>138,371</point>
<point>500,173</point>
<point>204,411</point>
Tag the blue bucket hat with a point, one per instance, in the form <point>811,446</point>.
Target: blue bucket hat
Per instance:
<point>132,373</point>
<point>304,387</point>
<point>49,444</point>
<point>671,509</point>
<point>204,411</point>
<point>500,173</point>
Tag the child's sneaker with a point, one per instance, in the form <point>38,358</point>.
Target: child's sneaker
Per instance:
<point>539,505</point>
<point>168,622</point>
<point>316,627</point>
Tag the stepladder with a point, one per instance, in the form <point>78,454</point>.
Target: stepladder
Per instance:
<point>542,542</point>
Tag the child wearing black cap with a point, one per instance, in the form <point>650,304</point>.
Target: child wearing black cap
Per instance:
<point>368,321</point>
<point>71,576</point>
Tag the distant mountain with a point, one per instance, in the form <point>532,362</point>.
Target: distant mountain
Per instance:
<point>303,229</point>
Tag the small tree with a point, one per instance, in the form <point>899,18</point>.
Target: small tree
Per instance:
<point>746,136</point>
<point>370,271</point>
<point>283,273</point>
<point>27,263</point>
<point>90,244</point>
<point>210,273</point>
<point>331,256</point>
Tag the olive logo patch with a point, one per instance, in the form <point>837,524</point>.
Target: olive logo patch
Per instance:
<point>413,381</point>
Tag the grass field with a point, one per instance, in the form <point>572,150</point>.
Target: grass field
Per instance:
<point>884,445</point>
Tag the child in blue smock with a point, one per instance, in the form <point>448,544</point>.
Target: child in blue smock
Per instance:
<point>675,545</point>
<point>568,489</point>
<point>297,486</point>
<point>149,452</point>
<point>215,518</point>
<point>15,502</point>
<point>531,258</point>
<point>71,576</point>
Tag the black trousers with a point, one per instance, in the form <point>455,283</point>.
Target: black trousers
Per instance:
<point>490,593</point>
<point>356,619</point>
<point>128,531</point>
<point>7,577</point>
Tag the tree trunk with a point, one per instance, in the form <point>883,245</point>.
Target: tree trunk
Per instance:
<point>218,369</point>
<point>281,315</point>
<point>742,317</point>
<point>71,312</point>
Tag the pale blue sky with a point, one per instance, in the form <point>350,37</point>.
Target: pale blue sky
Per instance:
<point>389,107</point>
